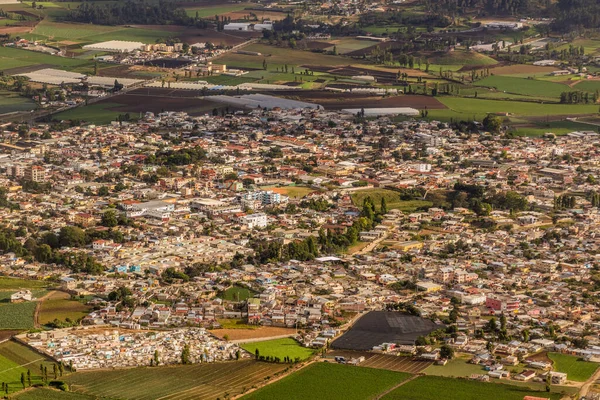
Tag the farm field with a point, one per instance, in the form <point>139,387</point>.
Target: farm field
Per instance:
<point>15,58</point>
<point>392,199</point>
<point>587,85</point>
<point>278,57</point>
<point>344,46</point>
<point>15,283</point>
<point>99,113</point>
<point>461,58</point>
<point>294,192</point>
<point>257,332</point>
<point>183,382</point>
<point>286,347</point>
<point>434,387</point>
<point>210,11</point>
<point>59,306</point>
<point>17,315</point>
<point>50,394</point>
<point>237,293</point>
<point>471,108</point>
<point>384,361</point>
<point>575,368</point>
<point>528,87</point>
<point>15,359</point>
<point>331,382</point>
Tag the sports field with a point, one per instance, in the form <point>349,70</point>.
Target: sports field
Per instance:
<point>237,293</point>
<point>182,382</point>
<point>576,369</point>
<point>331,382</point>
<point>286,347</point>
<point>435,387</point>
<point>392,199</point>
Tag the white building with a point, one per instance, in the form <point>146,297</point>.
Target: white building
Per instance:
<point>237,26</point>
<point>252,221</point>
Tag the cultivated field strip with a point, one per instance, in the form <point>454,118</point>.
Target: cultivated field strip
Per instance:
<point>394,363</point>
<point>202,381</point>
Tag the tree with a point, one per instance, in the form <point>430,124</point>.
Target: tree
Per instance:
<point>185,354</point>
<point>446,352</point>
<point>103,191</point>
<point>109,219</point>
<point>383,208</point>
<point>156,360</point>
<point>256,353</point>
<point>23,379</point>
<point>55,371</point>
<point>29,378</point>
<point>71,236</point>
<point>492,123</point>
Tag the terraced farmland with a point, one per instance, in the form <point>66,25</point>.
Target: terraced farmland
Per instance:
<point>198,382</point>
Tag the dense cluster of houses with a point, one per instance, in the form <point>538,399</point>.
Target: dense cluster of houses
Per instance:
<point>201,192</point>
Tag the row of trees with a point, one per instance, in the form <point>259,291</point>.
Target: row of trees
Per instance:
<point>578,97</point>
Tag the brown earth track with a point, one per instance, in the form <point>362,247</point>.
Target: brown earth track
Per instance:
<point>262,332</point>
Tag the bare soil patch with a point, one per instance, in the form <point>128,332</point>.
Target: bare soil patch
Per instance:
<point>262,332</point>
<point>521,69</point>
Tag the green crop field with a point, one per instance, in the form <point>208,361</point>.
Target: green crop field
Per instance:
<point>94,114</point>
<point>15,283</point>
<point>587,85</point>
<point>462,58</point>
<point>286,347</point>
<point>575,368</point>
<point>11,102</point>
<point>295,192</point>
<point>435,387</point>
<point>528,87</point>
<point>70,31</point>
<point>237,293</point>
<point>458,367</point>
<point>392,199</point>
<point>469,108</point>
<point>15,359</point>
<point>227,80</point>
<point>183,382</point>
<point>277,56</point>
<point>59,306</point>
<point>17,315</point>
<point>349,45</point>
<point>210,11</point>
<point>50,394</point>
<point>331,382</point>
<point>13,58</point>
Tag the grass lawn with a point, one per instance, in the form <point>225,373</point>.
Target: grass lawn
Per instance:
<point>279,348</point>
<point>15,283</point>
<point>15,359</point>
<point>331,382</point>
<point>50,394</point>
<point>60,306</point>
<point>206,381</point>
<point>575,368</point>
<point>230,323</point>
<point>392,199</point>
<point>94,114</point>
<point>436,387</point>
<point>458,367</point>
<point>528,87</point>
<point>237,293</point>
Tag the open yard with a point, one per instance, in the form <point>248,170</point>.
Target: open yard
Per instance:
<point>435,387</point>
<point>392,199</point>
<point>286,347</point>
<point>575,368</point>
<point>257,332</point>
<point>331,382</point>
<point>15,359</point>
<point>183,382</point>
<point>59,306</point>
